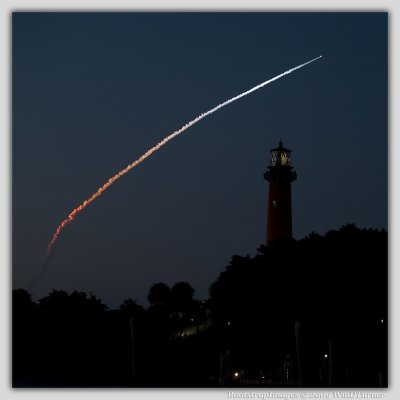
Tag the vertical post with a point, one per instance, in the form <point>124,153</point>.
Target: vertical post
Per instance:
<point>299,350</point>
<point>330,363</point>
<point>225,368</point>
<point>132,337</point>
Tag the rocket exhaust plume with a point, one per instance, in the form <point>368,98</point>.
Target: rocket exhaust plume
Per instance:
<point>149,152</point>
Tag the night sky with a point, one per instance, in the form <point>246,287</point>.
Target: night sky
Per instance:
<point>92,92</point>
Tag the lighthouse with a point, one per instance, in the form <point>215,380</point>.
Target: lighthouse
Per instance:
<point>280,175</point>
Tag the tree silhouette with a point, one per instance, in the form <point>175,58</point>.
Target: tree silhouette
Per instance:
<point>335,286</point>
<point>159,295</point>
<point>130,308</point>
<point>60,302</point>
<point>24,335</point>
<point>289,310</point>
<point>22,304</point>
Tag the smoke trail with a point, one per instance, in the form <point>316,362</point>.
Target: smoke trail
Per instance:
<point>42,273</point>
<point>149,152</point>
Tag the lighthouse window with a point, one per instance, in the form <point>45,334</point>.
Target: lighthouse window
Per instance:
<point>273,158</point>
<point>274,203</point>
<point>284,159</point>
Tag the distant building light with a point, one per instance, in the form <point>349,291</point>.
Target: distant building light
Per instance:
<point>326,356</point>
<point>229,322</point>
<point>236,374</point>
<point>381,321</point>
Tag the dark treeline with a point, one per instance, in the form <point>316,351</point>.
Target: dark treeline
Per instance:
<point>310,313</point>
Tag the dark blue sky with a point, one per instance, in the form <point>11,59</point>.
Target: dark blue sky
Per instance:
<point>92,92</point>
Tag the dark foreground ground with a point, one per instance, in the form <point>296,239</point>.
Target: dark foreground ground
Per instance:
<point>308,313</point>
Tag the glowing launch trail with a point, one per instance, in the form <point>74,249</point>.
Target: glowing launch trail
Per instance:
<point>149,152</point>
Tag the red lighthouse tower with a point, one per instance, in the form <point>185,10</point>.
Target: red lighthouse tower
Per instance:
<point>280,175</point>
